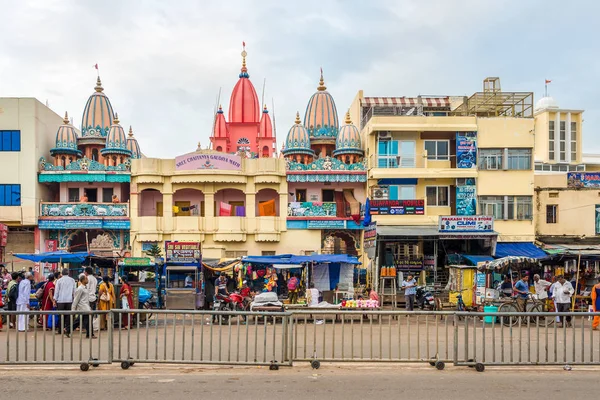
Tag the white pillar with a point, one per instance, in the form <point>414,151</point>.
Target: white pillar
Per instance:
<point>568,137</point>
<point>557,137</point>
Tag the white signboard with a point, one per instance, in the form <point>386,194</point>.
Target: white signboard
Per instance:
<point>466,223</point>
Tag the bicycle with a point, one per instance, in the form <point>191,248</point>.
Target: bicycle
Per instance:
<point>535,306</point>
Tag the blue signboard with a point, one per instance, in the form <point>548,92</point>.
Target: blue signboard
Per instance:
<point>466,200</point>
<point>583,179</point>
<point>466,149</point>
<point>83,224</point>
<point>314,224</point>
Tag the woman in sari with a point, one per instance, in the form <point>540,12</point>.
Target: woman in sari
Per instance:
<point>47,301</point>
<point>106,300</point>
<point>126,296</point>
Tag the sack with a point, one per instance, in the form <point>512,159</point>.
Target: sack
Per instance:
<point>124,303</point>
<point>39,294</point>
<point>105,296</point>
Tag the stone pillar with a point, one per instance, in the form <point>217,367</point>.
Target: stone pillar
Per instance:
<point>209,210</point>
<point>168,206</point>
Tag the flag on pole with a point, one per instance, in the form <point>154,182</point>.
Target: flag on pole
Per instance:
<point>96,66</point>
<point>244,44</point>
<point>548,81</point>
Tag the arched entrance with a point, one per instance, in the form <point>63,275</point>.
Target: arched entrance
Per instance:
<point>340,242</point>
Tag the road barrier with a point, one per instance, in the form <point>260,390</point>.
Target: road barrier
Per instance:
<point>41,345</point>
<point>278,339</point>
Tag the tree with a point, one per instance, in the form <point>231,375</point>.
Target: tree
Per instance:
<point>155,251</point>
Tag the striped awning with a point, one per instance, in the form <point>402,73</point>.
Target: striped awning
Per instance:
<point>405,101</point>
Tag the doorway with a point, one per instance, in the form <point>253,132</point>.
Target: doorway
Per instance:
<point>328,196</point>
<point>300,195</point>
<point>92,195</point>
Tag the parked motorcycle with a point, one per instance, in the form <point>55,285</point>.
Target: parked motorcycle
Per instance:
<point>425,299</point>
<point>222,303</point>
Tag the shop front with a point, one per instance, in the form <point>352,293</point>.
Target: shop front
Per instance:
<point>182,275</point>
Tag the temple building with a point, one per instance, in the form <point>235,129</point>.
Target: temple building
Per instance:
<point>326,178</point>
<point>88,180</point>
<point>248,131</point>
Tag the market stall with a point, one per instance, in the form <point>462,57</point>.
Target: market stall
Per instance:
<point>182,275</point>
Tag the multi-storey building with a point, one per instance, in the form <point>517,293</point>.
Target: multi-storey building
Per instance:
<point>326,177</point>
<point>88,179</point>
<point>27,131</point>
<point>449,175</point>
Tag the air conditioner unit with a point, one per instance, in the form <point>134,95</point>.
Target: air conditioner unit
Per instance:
<point>385,135</point>
<point>380,193</point>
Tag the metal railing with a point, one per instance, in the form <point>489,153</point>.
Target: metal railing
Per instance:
<point>279,338</point>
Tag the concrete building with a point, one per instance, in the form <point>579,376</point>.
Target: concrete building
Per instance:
<point>449,175</point>
<point>27,132</point>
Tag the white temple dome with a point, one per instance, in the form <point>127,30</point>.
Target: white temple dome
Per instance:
<point>545,103</point>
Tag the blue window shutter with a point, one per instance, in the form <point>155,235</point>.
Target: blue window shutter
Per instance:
<point>15,195</point>
<point>3,199</point>
<point>393,192</point>
<point>383,147</point>
<point>5,145</point>
<point>394,149</point>
<point>16,141</point>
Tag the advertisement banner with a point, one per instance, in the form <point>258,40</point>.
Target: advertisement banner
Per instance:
<point>463,223</point>
<point>583,179</point>
<point>466,200</point>
<point>137,261</point>
<point>193,161</point>
<point>3,235</point>
<point>322,224</point>
<point>84,224</point>
<point>466,149</point>
<point>370,242</point>
<point>597,219</point>
<point>397,207</point>
<point>409,264</point>
<point>49,246</point>
<point>182,252</point>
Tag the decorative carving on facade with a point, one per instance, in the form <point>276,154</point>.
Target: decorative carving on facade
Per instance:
<point>83,164</point>
<point>102,241</point>
<point>326,164</point>
<point>342,178</point>
<point>84,210</point>
<point>312,209</point>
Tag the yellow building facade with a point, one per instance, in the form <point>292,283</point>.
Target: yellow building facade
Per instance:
<point>184,205</point>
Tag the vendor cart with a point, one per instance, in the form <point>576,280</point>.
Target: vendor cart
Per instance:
<point>180,290</point>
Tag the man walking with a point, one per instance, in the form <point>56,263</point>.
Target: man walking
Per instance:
<point>23,301</point>
<point>522,290</point>
<point>91,285</point>
<point>410,290</point>
<point>63,296</point>
<point>81,302</point>
<point>596,305</point>
<point>541,289</point>
<point>12,293</point>
<point>562,290</point>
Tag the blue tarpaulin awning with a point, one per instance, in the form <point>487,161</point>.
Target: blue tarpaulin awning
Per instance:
<point>291,259</point>
<point>55,257</point>
<point>519,249</point>
<point>477,259</point>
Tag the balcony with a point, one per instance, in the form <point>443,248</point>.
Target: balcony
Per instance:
<point>230,229</point>
<point>84,216</point>
<point>415,166</point>
<point>310,210</point>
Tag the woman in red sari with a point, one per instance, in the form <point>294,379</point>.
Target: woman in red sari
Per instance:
<point>47,301</point>
<point>126,296</point>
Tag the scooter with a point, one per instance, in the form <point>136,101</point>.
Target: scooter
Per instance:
<point>425,299</point>
<point>222,303</point>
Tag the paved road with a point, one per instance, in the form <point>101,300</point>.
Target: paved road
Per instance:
<point>330,383</point>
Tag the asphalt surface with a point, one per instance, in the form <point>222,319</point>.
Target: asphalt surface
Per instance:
<point>329,382</point>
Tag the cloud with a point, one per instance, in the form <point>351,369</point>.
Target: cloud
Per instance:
<point>163,63</point>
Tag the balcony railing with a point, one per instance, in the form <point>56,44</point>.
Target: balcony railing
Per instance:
<point>418,160</point>
<point>312,209</point>
<point>84,209</point>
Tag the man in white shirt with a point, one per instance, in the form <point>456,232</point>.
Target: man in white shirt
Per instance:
<point>64,291</point>
<point>23,301</point>
<point>92,284</point>
<point>562,290</point>
<point>541,289</point>
<point>81,302</point>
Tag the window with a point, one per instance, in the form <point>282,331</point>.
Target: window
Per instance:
<point>490,159</point>
<point>562,141</point>
<point>236,254</point>
<point>492,205</point>
<point>10,195</point>
<point>328,196</point>
<point>95,154</point>
<point>520,207</point>
<point>243,144</point>
<point>268,253</point>
<point>551,214</point>
<point>437,196</point>
<point>573,141</point>
<point>437,150</point>
<point>403,192</point>
<point>300,195</point>
<point>519,159</point>
<point>551,140</point>
<point>10,140</point>
<point>559,167</point>
<point>73,195</point>
<point>395,153</point>
<point>107,195</point>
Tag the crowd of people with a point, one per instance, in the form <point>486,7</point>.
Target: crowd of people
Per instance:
<point>60,292</point>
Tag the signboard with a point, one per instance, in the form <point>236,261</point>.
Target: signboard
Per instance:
<point>466,200</point>
<point>583,179</point>
<point>479,288</point>
<point>466,149</point>
<point>137,261</point>
<point>182,252</point>
<point>463,223</point>
<point>83,224</point>
<point>370,242</point>
<point>50,246</point>
<point>397,207</point>
<point>597,224</point>
<point>316,224</point>
<point>193,161</point>
<point>409,264</point>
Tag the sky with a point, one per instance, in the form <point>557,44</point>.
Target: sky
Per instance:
<point>163,63</point>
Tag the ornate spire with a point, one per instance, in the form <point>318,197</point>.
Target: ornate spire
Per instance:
<point>116,120</point>
<point>244,54</point>
<point>199,148</point>
<point>66,119</point>
<point>265,109</point>
<point>348,120</point>
<point>130,132</point>
<point>298,118</point>
<point>321,86</point>
<point>220,110</point>
<point>99,87</point>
